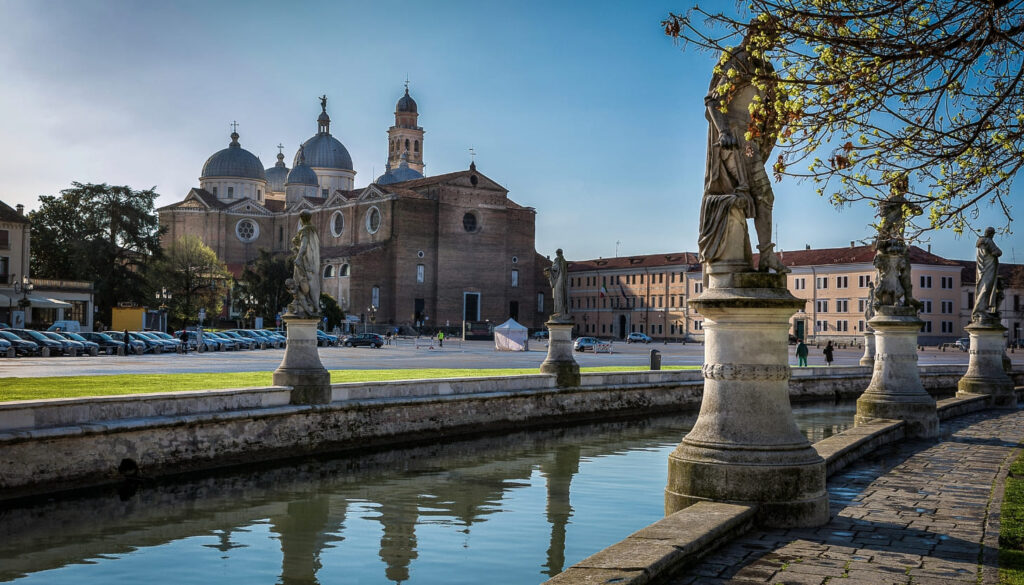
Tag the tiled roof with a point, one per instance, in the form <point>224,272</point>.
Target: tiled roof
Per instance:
<point>853,255</point>
<point>627,262</point>
<point>205,196</point>
<point>969,272</point>
<point>431,180</point>
<point>7,213</point>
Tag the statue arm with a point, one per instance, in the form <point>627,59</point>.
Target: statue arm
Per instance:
<point>712,103</point>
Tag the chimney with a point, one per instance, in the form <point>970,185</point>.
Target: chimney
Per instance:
<point>807,246</point>
<point>929,248</point>
<point>20,208</point>
<point>852,244</point>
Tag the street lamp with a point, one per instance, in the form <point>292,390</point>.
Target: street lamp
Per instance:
<point>163,296</point>
<point>24,287</point>
<point>372,311</point>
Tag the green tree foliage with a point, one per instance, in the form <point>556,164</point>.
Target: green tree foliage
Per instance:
<point>194,277</point>
<point>100,233</point>
<point>331,310</point>
<point>874,92</point>
<point>261,287</point>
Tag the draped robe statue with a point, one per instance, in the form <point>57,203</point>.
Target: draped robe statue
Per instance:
<point>986,289</point>
<point>558,276</point>
<point>305,281</point>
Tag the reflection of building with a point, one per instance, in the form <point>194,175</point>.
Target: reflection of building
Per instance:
<point>35,302</point>
<point>613,297</point>
<point>419,250</point>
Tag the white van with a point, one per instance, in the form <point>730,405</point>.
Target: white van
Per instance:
<point>72,326</point>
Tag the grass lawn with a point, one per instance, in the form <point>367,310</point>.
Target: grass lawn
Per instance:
<point>1011,527</point>
<point>76,386</point>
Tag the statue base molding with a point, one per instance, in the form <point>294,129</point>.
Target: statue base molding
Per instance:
<point>560,360</point>
<point>745,446</point>
<point>868,359</point>
<point>301,367</point>
<point>895,391</point>
<point>985,373</point>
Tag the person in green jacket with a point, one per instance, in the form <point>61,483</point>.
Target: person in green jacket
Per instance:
<point>801,353</point>
<point>440,338</point>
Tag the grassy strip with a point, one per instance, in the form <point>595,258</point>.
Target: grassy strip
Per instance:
<point>1011,527</point>
<point>120,384</point>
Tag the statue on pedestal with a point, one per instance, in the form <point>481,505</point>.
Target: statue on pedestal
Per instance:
<point>869,310</point>
<point>736,186</point>
<point>558,276</point>
<point>987,288</point>
<point>305,281</point>
<point>892,260</point>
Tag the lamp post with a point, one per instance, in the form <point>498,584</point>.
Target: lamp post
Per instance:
<point>163,296</point>
<point>372,312</point>
<point>24,287</point>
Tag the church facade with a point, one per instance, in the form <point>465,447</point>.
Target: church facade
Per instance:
<point>404,250</point>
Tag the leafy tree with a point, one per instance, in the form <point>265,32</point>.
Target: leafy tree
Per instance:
<point>194,277</point>
<point>261,287</point>
<point>331,310</point>
<point>100,233</point>
<point>873,93</point>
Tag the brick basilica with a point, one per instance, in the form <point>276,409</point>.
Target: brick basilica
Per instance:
<point>406,249</point>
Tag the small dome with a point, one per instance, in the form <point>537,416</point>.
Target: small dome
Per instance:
<point>277,175</point>
<point>324,151</point>
<point>402,173</point>
<point>301,174</point>
<point>406,103</point>
<point>234,161</point>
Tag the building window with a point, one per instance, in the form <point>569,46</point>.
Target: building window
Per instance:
<point>821,282</point>
<point>947,282</point>
<point>5,240</point>
<point>373,220</point>
<point>863,280</point>
<point>323,193</point>
<point>926,327</point>
<point>259,194</point>
<point>698,325</point>
<point>947,307</point>
<point>970,299</point>
<point>540,302</point>
<point>344,270</point>
<point>698,287</point>
<point>416,146</point>
<point>926,282</point>
<point>337,224</point>
<point>420,272</point>
<point>5,270</point>
<point>820,326</point>
<point>214,191</point>
<point>926,306</point>
<point>280,233</point>
<point>231,192</point>
<point>821,305</point>
<point>860,325</point>
<point>842,282</point>
<point>842,306</point>
<point>407,144</point>
<point>947,326</point>
<point>329,271</point>
<point>375,296</point>
<point>247,230</point>
<point>515,278</point>
<point>469,222</point>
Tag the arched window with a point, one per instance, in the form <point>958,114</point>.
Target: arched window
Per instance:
<point>344,270</point>
<point>416,146</point>
<point>329,271</point>
<point>407,144</point>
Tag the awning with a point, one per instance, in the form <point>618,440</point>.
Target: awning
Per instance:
<point>47,303</point>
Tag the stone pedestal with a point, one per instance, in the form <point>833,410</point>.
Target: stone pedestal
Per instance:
<point>868,359</point>
<point>745,446</point>
<point>985,372</point>
<point>301,367</point>
<point>560,361</point>
<point>895,391</point>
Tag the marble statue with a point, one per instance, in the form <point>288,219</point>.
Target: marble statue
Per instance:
<point>558,276</point>
<point>892,261</point>
<point>986,289</point>
<point>305,281</point>
<point>869,310</point>
<point>735,179</point>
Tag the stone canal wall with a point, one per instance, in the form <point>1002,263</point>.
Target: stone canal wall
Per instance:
<point>52,445</point>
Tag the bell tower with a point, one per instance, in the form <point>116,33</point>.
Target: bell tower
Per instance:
<point>405,137</point>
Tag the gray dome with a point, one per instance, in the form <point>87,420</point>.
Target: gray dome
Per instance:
<point>402,173</point>
<point>326,152</point>
<point>277,175</point>
<point>234,161</point>
<point>406,103</point>
<point>301,174</point>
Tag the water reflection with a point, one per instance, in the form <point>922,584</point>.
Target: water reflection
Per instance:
<point>516,509</point>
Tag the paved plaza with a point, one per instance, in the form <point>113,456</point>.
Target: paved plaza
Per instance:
<point>407,353</point>
<point>916,512</point>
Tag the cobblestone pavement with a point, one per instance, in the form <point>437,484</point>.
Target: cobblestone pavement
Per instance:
<point>913,513</point>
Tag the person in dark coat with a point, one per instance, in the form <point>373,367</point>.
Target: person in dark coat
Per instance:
<point>801,353</point>
<point>828,353</point>
<point>184,341</point>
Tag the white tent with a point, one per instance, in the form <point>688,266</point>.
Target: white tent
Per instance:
<point>510,336</point>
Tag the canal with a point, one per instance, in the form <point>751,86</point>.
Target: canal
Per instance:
<point>510,509</point>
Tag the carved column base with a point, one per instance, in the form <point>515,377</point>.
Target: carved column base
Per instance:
<point>560,360</point>
<point>868,359</point>
<point>895,391</point>
<point>301,367</point>
<point>745,446</point>
<point>985,372</point>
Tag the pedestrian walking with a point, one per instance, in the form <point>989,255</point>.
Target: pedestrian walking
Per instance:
<point>828,353</point>
<point>440,338</point>
<point>184,341</point>
<point>801,353</point>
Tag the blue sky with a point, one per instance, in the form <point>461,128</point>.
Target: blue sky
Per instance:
<point>583,110</point>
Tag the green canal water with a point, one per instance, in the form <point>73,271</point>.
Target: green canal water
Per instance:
<point>510,509</point>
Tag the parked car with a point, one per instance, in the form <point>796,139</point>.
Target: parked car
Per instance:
<point>155,343</point>
<point>70,345</point>
<point>91,347</point>
<point>209,343</point>
<point>242,340</point>
<point>585,343</point>
<point>368,339</point>
<point>5,346</point>
<point>138,346</point>
<point>174,342</point>
<point>21,346</point>
<point>540,335</point>
<point>279,336</point>
<point>41,340</point>
<point>325,339</point>
<point>108,344</point>
<point>72,326</point>
<point>963,344</point>
<point>256,337</point>
<point>638,338</point>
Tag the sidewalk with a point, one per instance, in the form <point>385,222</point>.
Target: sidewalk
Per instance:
<point>916,512</point>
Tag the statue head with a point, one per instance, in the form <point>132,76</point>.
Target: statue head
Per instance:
<point>306,217</point>
<point>558,252</point>
<point>990,232</point>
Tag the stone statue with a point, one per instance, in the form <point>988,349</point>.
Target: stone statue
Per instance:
<point>986,289</point>
<point>735,181</point>
<point>323,102</point>
<point>558,276</point>
<point>895,287</point>
<point>305,281</point>
<point>869,310</point>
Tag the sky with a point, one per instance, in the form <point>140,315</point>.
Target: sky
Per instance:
<point>582,110</point>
